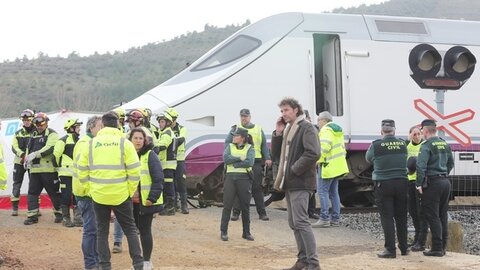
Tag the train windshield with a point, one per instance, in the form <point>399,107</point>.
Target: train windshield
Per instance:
<point>233,50</point>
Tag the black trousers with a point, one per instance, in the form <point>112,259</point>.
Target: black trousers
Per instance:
<point>391,199</point>
<point>415,210</point>
<point>241,189</point>
<point>66,189</point>
<point>435,207</point>
<point>39,181</point>
<point>18,174</point>
<point>144,225</point>
<point>257,191</point>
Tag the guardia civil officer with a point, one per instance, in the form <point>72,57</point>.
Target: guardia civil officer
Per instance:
<point>389,158</point>
<point>434,163</point>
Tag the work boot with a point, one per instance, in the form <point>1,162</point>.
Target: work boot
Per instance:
<point>235,216</point>
<point>264,217</point>
<point>58,218</point>
<point>184,204</point>
<point>117,247</point>
<point>77,217</point>
<point>387,255</point>
<point>31,220</point>
<point>66,221</point>
<point>417,247</point>
<point>434,253</point>
<point>15,208</point>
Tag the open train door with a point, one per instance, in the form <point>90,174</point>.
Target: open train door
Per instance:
<point>356,189</point>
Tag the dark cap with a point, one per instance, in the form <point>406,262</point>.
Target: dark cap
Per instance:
<point>245,112</point>
<point>241,131</point>
<point>428,122</point>
<point>388,123</point>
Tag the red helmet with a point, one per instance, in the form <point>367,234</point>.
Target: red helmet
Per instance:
<point>40,119</point>
<point>134,116</point>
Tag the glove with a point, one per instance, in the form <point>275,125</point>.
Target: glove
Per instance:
<point>30,157</point>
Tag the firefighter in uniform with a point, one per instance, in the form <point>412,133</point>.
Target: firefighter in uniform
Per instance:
<point>109,170</point>
<point>3,169</point>
<point>42,173</point>
<point>19,148</point>
<point>168,158</point>
<point>63,161</point>
<point>136,119</point>
<point>180,180</point>
<point>262,154</point>
<point>419,223</point>
<point>121,118</point>
<point>434,163</point>
<point>389,158</point>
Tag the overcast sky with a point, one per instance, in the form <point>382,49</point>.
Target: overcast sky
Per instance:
<point>59,27</point>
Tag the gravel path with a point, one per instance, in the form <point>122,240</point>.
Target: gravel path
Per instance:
<point>370,223</point>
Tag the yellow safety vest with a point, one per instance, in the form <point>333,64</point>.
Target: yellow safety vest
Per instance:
<point>146,180</point>
<point>63,152</point>
<point>167,156</point>
<point>3,171</point>
<point>44,151</point>
<point>333,153</point>
<point>256,133</point>
<point>79,188</point>
<point>241,153</point>
<point>413,151</point>
<point>20,143</point>
<point>110,167</point>
<point>182,132</point>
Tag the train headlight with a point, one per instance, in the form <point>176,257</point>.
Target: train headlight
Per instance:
<point>427,71</point>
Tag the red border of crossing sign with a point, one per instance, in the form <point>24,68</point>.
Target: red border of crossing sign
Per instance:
<point>448,123</point>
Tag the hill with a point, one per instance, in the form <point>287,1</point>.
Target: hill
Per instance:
<point>98,82</point>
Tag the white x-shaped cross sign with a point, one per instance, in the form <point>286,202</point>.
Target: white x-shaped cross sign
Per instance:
<point>448,123</point>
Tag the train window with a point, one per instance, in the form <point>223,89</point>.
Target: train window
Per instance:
<point>233,50</point>
<point>401,27</point>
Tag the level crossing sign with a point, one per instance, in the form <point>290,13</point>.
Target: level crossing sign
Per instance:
<point>448,123</point>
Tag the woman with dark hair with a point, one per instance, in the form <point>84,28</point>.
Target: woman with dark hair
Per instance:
<point>147,198</point>
<point>238,157</point>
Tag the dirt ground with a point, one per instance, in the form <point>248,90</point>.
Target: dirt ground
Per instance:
<point>193,242</point>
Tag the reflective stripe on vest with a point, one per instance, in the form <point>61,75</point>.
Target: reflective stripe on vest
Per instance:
<point>256,133</point>
<point>234,151</point>
<point>333,154</point>
<point>146,180</point>
<point>413,151</point>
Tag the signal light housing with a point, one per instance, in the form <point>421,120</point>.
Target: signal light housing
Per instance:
<point>427,71</point>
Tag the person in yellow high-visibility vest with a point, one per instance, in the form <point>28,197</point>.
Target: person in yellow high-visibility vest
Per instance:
<point>239,157</point>
<point>333,166</point>
<point>109,171</point>
<point>148,196</point>
<point>19,149</point>
<point>63,161</point>
<point>414,143</point>
<point>42,173</point>
<point>3,169</point>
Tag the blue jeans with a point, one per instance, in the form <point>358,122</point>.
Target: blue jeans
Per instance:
<point>117,232</point>
<point>328,190</point>
<point>89,238</point>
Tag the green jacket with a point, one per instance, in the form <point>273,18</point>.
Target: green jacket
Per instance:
<point>389,158</point>
<point>435,159</point>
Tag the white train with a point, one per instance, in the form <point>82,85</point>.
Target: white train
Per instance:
<point>355,66</point>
